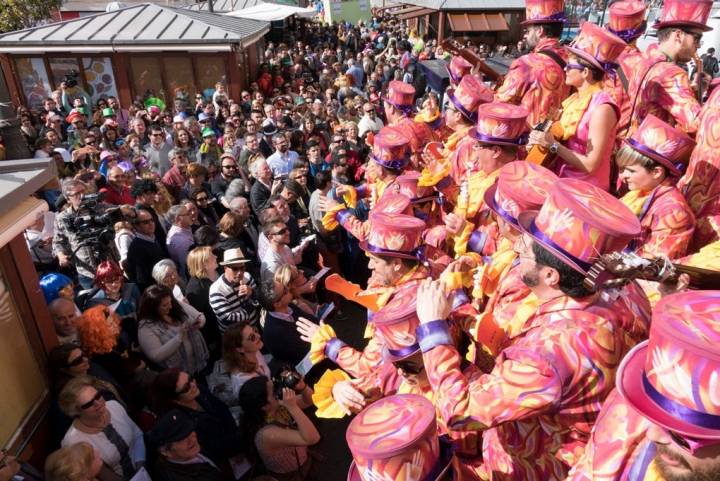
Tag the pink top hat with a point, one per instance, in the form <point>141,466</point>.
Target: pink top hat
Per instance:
<point>662,143</point>
<point>598,46</point>
<point>397,321</point>
<point>521,186</point>
<point>401,96</point>
<point>408,183</point>
<point>671,379</point>
<point>579,222</point>
<point>395,438</point>
<point>544,11</point>
<point>501,123</point>
<point>469,95</point>
<point>685,13</point>
<point>390,149</point>
<point>393,203</point>
<point>458,68</point>
<point>394,236</point>
<point>627,19</point>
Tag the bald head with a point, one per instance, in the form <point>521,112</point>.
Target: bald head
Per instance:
<point>64,314</point>
<point>116,176</point>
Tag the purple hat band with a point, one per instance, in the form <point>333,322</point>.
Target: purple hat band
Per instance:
<point>551,243</point>
<point>696,418</point>
<point>470,115</point>
<point>417,253</point>
<point>522,140</point>
<point>405,109</point>
<point>556,17</point>
<point>630,34</point>
<point>503,213</point>
<point>455,78</point>
<point>395,164</point>
<point>643,149</point>
<point>404,352</point>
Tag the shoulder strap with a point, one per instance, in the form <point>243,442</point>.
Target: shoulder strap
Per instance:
<point>553,55</point>
<point>623,79</point>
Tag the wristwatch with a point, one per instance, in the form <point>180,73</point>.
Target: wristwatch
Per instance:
<point>554,148</point>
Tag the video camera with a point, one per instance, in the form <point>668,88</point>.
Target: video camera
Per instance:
<point>94,229</point>
<point>71,78</point>
<point>288,377</point>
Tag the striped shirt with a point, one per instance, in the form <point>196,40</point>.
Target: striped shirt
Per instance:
<point>229,307</point>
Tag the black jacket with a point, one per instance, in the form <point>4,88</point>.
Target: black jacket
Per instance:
<point>142,256</point>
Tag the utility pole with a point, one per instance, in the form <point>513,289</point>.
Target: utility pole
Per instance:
<point>210,6</point>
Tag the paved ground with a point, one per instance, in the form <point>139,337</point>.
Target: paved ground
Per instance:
<point>333,446</point>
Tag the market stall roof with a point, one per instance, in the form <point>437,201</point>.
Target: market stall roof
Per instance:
<point>270,12</point>
<point>140,28</point>
<point>495,5</point>
<point>224,6</point>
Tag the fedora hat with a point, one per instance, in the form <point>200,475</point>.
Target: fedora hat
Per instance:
<point>233,257</point>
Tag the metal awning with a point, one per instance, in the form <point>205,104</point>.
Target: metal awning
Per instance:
<point>414,13</point>
<point>477,22</point>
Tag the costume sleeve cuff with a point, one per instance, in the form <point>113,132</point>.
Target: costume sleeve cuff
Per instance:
<point>432,334</point>
<point>322,397</point>
<point>319,342</point>
<point>361,191</point>
<point>343,216</point>
<point>436,177</point>
<point>476,242</point>
<point>329,220</point>
<point>332,348</point>
<point>350,198</point>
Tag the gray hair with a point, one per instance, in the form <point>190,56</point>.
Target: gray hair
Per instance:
<point>172,213</point>
<point>161,270</point>
<point>71,184</point>
<point>234,204</point>
<point>256,165</point>
<point>235,189</point>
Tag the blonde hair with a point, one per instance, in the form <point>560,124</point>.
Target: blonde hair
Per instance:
<point>71,463</point>
<point>628,156</point>
<point>67,399</point>
<point>284,275</point>
<point>196,261</point>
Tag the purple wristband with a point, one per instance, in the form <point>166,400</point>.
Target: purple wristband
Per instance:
<point>332,348</point>
<point>433,334</point>
<point>342,216</point>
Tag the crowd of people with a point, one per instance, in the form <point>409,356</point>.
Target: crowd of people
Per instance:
<point>535,255</point>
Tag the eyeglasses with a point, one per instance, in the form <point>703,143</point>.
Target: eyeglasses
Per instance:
<point>282,231</point>
<point>231,167</point>
<point>145,221</point>
<point>91,402</point>
<point>77,361</point>
<point>691,445</point>
<point>697,37</point>
<point>156,135</point>
<point>188,385</point>
<point>201,199</point>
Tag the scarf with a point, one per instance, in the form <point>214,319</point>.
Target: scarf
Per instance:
<point>635,200</point>
<point>574,108</point>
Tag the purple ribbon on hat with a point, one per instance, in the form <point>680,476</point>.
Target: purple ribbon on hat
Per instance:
<point>503,213</point>
<point>552,244</point>
<point>396,164</point>
<point>522,140</point>
<point>631,33</point>
<point>417,253</point>
<point>683,413</point>
<point>405,109</point>
<point>470,115</point>
<point>555,17</point>
<point>405,351</point>
<point>643,149</point>
<point>455,78</point>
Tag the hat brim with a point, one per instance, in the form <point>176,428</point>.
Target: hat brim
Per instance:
<point>630,386</point>
<point>525,219</point>
<point>585,56</point>
<point>671,168</point>
<point>235,262</point>
<point>540,22</point>
<point>510,143</point>
<point>364,246</point>
<point>446,455</point>
<point>680,23</point>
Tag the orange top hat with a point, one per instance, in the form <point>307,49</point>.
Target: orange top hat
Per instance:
<point>663,143</point>
<point>521,186</point>
<point>671,379</point>
<point>579,222</point>
<point>685,13</point>
<point>419,133</point>
<point>544,11</point>
<point>501,123</point>
<point>458,68</point>
<point>469,95</point>
<point>394,236</point>
<point>408,183</point>
<point>598,46</point>
<point>395,438</point>
<point>627,19</point>
<point>401,96</point>
<point>391,149</point>
<point>397,321</point>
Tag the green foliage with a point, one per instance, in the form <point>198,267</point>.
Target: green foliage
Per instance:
<point>20,14</point>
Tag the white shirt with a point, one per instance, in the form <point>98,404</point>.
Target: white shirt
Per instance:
<point>367,124</point>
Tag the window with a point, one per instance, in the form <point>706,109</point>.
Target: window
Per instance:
<point>210,70</point>
<point>99,78</point>
<point>61,67</point>
<point>34,79</point>
<point>179,75</point>
<point>146,75</point>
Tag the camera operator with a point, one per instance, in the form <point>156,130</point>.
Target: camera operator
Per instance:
<point>72,93</point>
<point>75,243</point>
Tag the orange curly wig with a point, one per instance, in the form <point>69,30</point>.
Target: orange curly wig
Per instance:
<point>99,330</point>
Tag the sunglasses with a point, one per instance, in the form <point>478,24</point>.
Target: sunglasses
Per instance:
<point>237,268</point>
<point>697,37</point>
<point>232,167</point>
<point>77,361</point>
<point>188,385</point>
<point>91,402</point>
<point>409,367</point>
<point>691,445</point>
<point>156,135</point>
<point>281,231</point>
<point>201,199</point>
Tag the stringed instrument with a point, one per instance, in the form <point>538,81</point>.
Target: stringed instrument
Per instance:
<point>619,268</point>
<point>452,46</point>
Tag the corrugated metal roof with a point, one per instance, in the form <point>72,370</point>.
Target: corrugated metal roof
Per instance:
<point>495,5</point>
<point>233,5</point>
<point>101,5</point>
<point>146,24</point>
